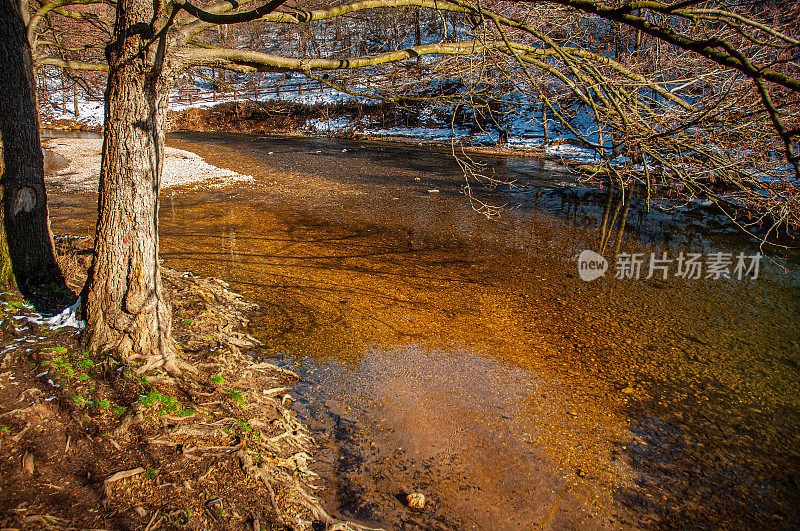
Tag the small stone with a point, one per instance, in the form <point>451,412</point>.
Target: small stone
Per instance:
<point>140,511</point>
<point>433,191</point>
<point>27,463</point>
<point>629,390</point>
<point>416,500</point>
<point>417,178</point>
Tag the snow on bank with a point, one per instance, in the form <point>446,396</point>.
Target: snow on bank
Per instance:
<point>180,167</point>
<point>573,153</point>
<point>67,318</point>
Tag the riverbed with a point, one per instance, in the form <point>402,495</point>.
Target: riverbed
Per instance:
<point>463,357</point>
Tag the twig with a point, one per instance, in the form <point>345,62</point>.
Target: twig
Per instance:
<point>119,475</point>
<point>16,438</point>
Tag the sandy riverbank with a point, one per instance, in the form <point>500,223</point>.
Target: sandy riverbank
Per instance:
<point>83,172</point>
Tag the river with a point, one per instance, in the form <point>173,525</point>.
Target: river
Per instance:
<point>465,358</point>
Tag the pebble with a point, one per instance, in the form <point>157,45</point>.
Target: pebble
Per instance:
<point>416,500</point>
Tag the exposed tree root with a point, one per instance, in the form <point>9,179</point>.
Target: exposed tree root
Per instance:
<point>222,448</point>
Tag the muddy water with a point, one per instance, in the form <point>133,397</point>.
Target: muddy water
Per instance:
<point>464,358</point>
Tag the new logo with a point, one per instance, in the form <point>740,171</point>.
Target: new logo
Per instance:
<point>591,265</point>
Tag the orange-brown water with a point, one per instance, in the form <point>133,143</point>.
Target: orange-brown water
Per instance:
<point>463,357</point>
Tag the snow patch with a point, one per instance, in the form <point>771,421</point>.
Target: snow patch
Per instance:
<point>571,152</point>
<point>67,318</point>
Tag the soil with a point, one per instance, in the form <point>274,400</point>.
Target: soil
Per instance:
<point>84,444</point>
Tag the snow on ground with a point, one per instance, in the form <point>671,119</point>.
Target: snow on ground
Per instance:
<point>90,111</point>
<point>436,134</point>
<point>572,152</point>
<point>180,167</point>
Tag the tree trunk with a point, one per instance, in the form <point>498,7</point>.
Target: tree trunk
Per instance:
<point>417,32</point>
<point>126,309</point>
<point>25,221</point>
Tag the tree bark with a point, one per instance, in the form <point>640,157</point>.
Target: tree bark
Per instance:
<point>126,309</point>
<point>26,225</point>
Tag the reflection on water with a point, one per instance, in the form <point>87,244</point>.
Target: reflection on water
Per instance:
<point>474,346</point>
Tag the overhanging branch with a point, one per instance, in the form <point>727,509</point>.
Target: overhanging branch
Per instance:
<point>73,65</point>
<point>233,18</point>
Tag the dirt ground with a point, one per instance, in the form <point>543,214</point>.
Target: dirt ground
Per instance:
<point>85,444</point>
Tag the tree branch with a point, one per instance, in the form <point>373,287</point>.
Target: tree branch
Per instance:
<point>73,65</point>
<point>245,16</point>
<point>250,61</point>
<point>708,48</point>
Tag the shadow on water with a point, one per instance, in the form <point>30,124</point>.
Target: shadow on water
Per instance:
<point>706,460</point>
<point>464,358</point>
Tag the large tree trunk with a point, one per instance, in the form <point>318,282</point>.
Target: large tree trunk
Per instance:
<point>28,242</point>
<point>126,309</point>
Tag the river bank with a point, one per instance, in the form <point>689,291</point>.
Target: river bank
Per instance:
<point>292,120</point>
<point>89,448</point>
<point>82,171</point>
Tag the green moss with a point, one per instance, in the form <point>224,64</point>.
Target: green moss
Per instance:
<point>236,395</point>
<point>168,403</point>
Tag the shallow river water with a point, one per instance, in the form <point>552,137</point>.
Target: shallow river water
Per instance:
<point>464,358</point>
